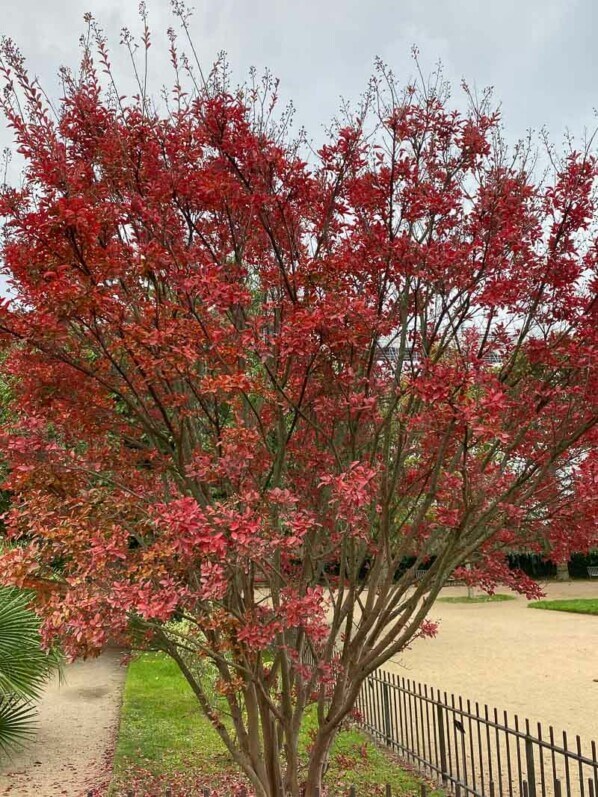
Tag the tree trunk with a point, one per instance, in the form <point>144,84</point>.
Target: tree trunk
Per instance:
<point>317,764</point>
<point>272,758</point>
<point>562,572</point>
<point>291,781</point>
<point>470,592</point>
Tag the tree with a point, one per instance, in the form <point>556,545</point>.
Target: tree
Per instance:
<point>249,383</point>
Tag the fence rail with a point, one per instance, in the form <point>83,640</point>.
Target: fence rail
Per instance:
<point>474,750</point>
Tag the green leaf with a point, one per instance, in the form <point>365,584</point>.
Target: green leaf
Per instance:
<point>17,722</point>
<point>24,667</point>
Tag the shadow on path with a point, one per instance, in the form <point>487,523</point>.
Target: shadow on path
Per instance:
<point>78,721</point>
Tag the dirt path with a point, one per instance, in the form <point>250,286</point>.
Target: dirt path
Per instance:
<point>542,665</point>
<point>77,725</point>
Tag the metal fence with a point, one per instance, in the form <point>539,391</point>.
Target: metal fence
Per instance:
<point>471,749</point>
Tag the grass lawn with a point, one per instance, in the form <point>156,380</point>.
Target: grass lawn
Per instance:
<point>577,605</point>
<point>478,599</point>
<point>165,742</point>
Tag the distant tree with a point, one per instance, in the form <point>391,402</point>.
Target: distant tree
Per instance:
<point>247,386</point>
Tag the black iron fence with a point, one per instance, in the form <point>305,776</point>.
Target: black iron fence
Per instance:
<point>471,749</point>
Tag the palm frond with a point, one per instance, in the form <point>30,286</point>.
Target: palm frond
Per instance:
<point>24,666</point>
<point>17,722</point>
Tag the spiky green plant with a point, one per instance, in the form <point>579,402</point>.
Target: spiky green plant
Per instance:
<point>24,668</point>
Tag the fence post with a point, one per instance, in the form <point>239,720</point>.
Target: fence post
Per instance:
<point>387,721</point>
<point>531,775</point>
<point>423,790</point>
<point>388,790</point>
<point>557,788</point>
<point>352,791</point>
<point>442,743</point>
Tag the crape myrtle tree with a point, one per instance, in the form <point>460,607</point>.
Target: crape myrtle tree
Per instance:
<point>250,381</point>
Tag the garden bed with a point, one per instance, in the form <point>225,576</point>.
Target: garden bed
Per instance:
<point>166,743</point>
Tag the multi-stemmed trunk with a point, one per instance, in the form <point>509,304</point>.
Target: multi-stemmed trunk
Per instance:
<point>282,774</point>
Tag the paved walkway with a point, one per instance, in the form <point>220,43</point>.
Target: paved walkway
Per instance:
<point>78,721</point>
<point>542,665</point>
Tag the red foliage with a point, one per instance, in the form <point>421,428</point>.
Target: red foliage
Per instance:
<point>246,386</point>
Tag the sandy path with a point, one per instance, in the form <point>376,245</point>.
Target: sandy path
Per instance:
<point>539,664</point>
<point>77,726</point>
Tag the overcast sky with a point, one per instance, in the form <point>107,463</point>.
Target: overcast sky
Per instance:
<point>540,55</point>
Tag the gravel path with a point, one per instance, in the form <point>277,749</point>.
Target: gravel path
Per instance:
<point>77,726</point>
<point>542,665</point>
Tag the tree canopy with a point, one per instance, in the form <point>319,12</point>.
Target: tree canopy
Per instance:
<point>249,382</point>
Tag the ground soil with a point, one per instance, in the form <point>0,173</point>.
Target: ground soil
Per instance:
<point>541,665</point>
<point>78,720</point>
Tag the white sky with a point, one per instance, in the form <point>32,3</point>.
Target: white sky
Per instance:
<point>540,55</point>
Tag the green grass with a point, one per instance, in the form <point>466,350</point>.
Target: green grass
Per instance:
<point>164,740</point>
<point>478,599</point>
<point>577,606</point>
<point>161,728</point>
<point>356,761</point>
